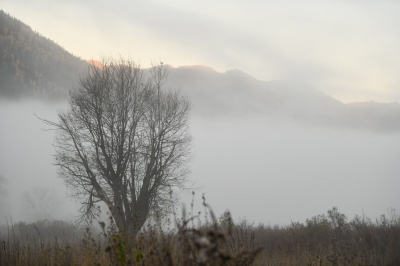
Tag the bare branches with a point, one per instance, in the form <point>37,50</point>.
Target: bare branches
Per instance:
<point>41,203</point>
<point>124,141</point>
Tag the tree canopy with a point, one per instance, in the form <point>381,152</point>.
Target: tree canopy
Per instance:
<point>124,141</point>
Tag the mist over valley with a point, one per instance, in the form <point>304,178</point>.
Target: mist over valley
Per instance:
<point>255,151</point>
<point>288,152</point>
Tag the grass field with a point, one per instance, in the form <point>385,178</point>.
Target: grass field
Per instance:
<point>327,239</point>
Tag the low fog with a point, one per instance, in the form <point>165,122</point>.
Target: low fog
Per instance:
<point>26,157</point>
<point>264,168</point>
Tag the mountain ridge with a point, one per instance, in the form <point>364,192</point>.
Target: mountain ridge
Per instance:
<point>34,66</point>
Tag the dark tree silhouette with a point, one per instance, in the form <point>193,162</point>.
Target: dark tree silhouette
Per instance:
<point>124,141</point>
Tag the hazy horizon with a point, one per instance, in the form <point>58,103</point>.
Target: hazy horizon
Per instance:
<point>267,170</point>
<point>275,151</point>
<point>286,114</point>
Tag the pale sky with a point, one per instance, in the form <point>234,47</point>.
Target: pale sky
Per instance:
<point>348,49</point>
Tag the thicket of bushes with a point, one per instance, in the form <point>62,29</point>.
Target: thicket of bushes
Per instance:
<point>327,239</point>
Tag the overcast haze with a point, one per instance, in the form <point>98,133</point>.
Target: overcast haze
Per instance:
<point>269,170</point>
<point>276,151</point>
<point>348,49</point>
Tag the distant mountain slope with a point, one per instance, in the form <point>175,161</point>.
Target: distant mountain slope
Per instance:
<point>32,65</point>
<point>235,93</point>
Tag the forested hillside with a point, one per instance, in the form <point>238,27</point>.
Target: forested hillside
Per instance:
<point>32,65</point>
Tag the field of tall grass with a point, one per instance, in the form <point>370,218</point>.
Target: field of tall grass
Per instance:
<point>326,239</point>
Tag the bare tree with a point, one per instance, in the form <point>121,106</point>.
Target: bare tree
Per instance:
<point>41,203</point>
<point>3,184</point>
<point>3,196</point>
<point>124,142</point>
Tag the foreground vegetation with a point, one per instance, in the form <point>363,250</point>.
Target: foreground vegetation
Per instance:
<point>327,239</point>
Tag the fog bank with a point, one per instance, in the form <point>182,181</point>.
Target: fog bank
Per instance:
<point>264,169</point>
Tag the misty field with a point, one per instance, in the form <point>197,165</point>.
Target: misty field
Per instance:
<point>282,194</point>
<point>326,239</point>
<point>285,114</point>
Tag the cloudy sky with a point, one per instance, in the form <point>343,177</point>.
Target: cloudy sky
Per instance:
<point>348,49</point>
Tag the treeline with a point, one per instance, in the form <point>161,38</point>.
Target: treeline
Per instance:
<point>329,239</point>
<point>32,65</point>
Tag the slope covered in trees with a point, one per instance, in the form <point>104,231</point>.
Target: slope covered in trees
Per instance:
<point>32,65</point>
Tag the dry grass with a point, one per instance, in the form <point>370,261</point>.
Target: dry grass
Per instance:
<point>322,240</point>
